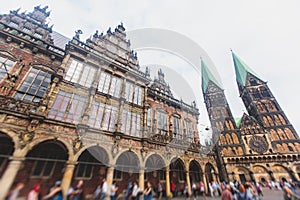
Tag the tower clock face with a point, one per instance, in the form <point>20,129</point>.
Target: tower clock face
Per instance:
<point>258,144</point>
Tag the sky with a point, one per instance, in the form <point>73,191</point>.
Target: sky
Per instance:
<point>265,34</point>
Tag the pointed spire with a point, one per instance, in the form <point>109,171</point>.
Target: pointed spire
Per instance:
<point>241,70</point>
<point>208,76</point>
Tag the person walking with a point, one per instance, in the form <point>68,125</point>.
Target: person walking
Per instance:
<point>76,193</point>
<point>135,191</point>
<point>226,194</point>
<point>55,193</point>
<point>34,194</point>
<point>14,193</point>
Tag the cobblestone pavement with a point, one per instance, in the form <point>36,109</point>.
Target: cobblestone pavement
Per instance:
<point>268,195</point>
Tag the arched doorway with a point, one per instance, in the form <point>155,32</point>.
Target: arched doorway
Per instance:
<point>244,175</point>
<point>155,170</point>
<point>177,176</point>
<point>44,164</point>
<point>6,150</point>
<point>126,170</point>
<point>261,174</point>
<point>91,168</point>
<point>210,172</point>
<point>196,174</point>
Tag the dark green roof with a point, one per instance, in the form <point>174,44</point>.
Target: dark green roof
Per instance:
<point>238,122</point>
<point>241,69</point>
<point>207,76</point>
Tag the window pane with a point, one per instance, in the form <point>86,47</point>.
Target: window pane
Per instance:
<point>5,66</point>
<point>34,85</point>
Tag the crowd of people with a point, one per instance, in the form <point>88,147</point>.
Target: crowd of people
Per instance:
<point>227,191</point>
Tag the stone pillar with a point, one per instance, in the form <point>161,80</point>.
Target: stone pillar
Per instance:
<point>109,179</point>
<point>205,184</point>
<point>141,179</point>
<point>188,182</point>
<point>168,188</point>
<point>67,178</point>
<point>9,176</point>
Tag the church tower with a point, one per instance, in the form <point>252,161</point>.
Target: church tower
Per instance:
<point>222,121</point>
<point>262,105</point>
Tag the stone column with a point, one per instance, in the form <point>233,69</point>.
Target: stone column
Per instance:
<point>109,179</point>
<point>168,188</point>
<point>9,176</point>
<point>205,183</point>
<point>141,179</point>
<point>67,178</point>
<point>188,182</point>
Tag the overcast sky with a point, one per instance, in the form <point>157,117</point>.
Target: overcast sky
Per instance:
<point>265,34</point>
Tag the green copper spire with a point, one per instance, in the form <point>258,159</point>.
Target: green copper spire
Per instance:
<point>241,69</point>
<point>207,76</point>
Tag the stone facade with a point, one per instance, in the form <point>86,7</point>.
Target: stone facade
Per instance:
<point>73,110</point>
<point>262,145</point>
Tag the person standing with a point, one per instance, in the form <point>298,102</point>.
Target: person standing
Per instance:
<point>34,193</point>
<point>13,194</point>
<point>159,190</point>
<point>148,192</point>
<point>194,190</point>
<point>113,191</point>
<point>135,191</point>
<point>104,189</point>
<point>226,194</point>
<point>202,189</point>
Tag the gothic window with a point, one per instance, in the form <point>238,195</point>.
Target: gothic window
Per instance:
<point>270,120</point>
<point>266,122</point>
<point>162,124</point>
<point>277,120</point>
<point>110,84</point>
<point>133,93</point>
<point>131,123</point>
<point>34,86</point>
<point>279,148</point>
<point>80,73</point>
<point>68,107</point>
<point>231,125</point>
<point>222,139</point>
<point>228,138</point>
<point>233,152</point>
<point>240,151</point>
<point>289,133</point>
<point>281,134</point>
<point>149,119</point>
<point>260,107</point>
<point>177,129</point>
<point>5,66</point>
<point>291,147</point>
<point>274,135</point>
<point>256,94</point>
<point>235,138</point>
<point>253,81</point>
<point>109,118</point>
<point>271,106</point>
<point>96,116</point>
<point>265,92</point>
<point>282,119</point>
<point>135,124</point>
<point>189,130</point>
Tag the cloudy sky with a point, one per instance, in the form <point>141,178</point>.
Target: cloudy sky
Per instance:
<point>265,34</point>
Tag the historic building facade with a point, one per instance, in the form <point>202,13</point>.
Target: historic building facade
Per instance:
<point>73,110</point>
<point>262,145</point>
